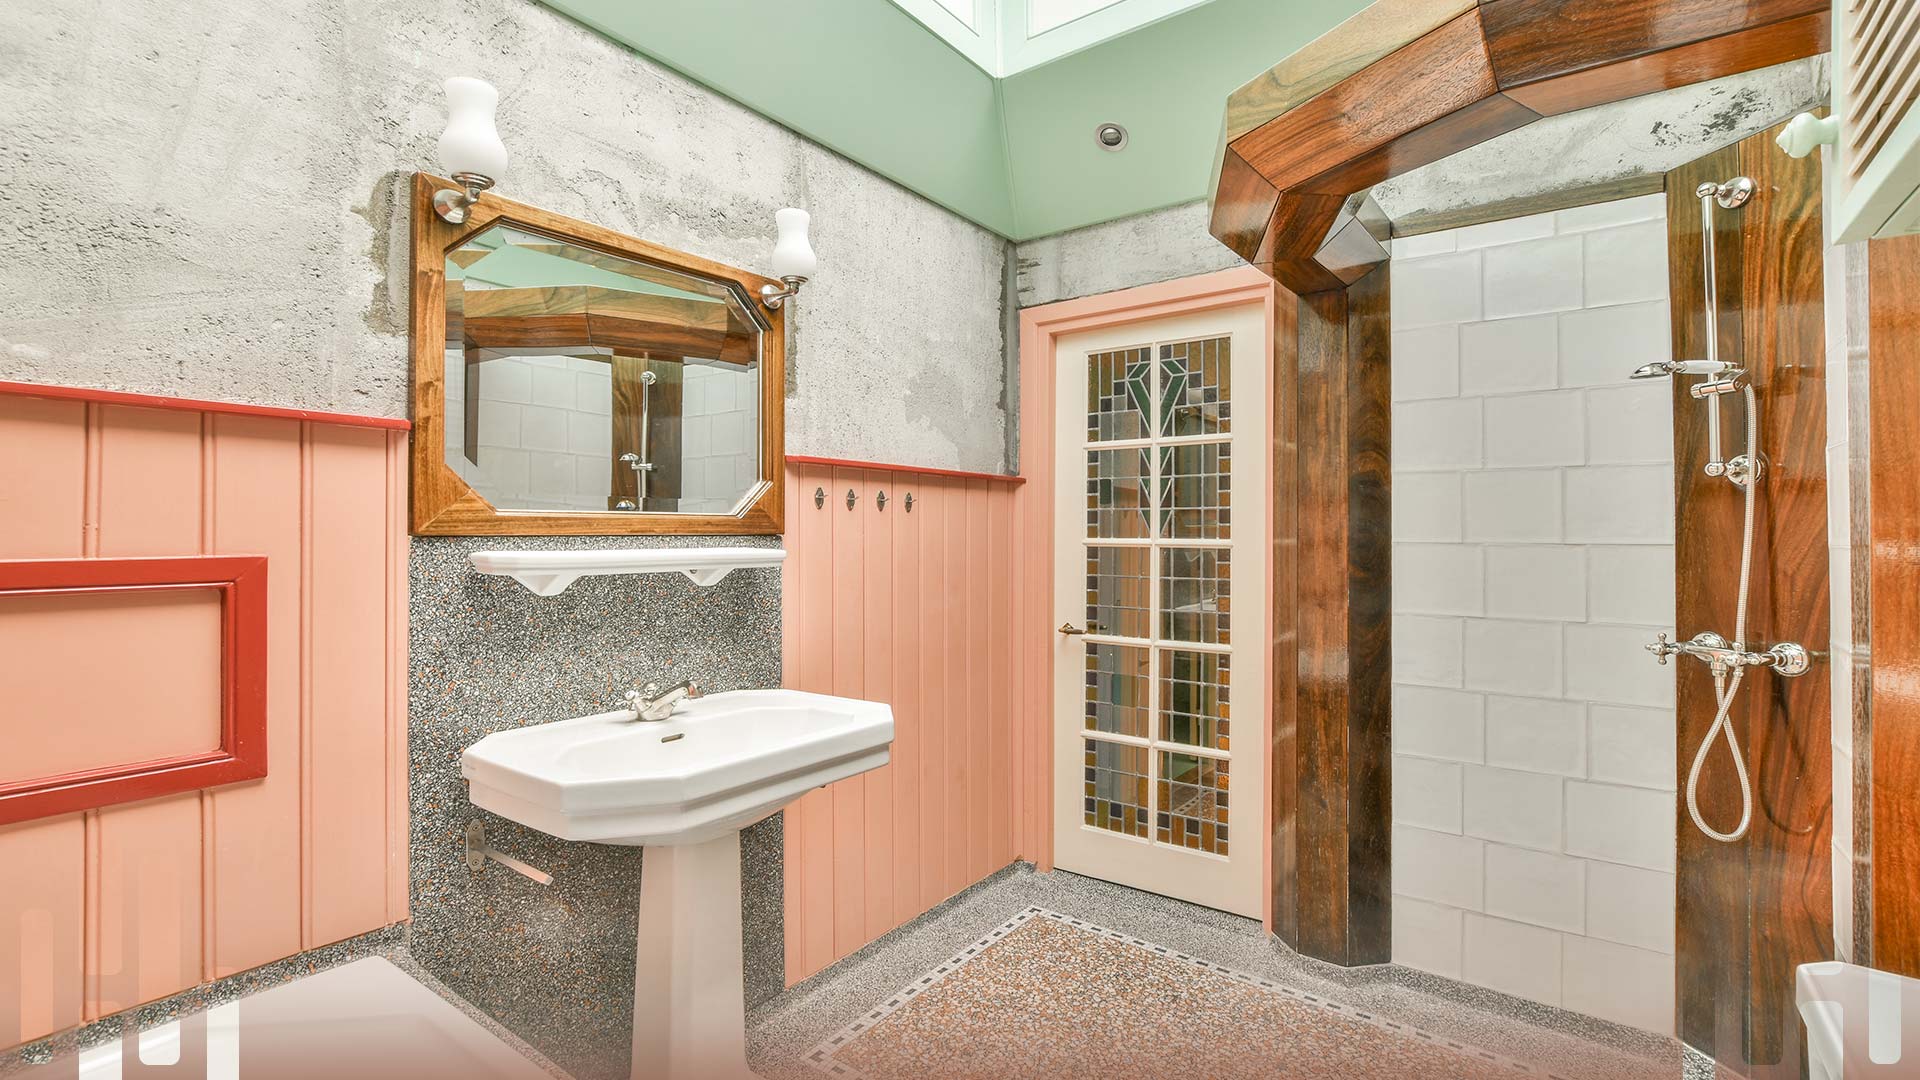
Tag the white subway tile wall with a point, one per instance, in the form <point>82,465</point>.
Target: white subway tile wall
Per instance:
<point>1534,760</point>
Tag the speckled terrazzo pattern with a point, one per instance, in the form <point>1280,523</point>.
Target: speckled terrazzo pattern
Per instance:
<point>1551,1040</point>
<point>1048,995</point>
<point>556,964</point>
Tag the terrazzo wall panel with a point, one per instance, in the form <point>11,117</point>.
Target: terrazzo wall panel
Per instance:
<point>556,963</point>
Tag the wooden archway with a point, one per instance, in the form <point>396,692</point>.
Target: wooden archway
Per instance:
<point>1400,85</point>
<point>1407,82</point>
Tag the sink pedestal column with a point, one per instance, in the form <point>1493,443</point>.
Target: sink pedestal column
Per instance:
<point>689,1009</point>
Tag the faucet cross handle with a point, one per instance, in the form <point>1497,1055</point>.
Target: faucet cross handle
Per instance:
<point>1661,648</point>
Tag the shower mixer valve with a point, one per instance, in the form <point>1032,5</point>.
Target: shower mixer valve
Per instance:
<point>1786,658</point>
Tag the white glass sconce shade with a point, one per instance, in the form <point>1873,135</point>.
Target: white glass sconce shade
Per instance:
<point>793,255</point>
<point>471,144</point>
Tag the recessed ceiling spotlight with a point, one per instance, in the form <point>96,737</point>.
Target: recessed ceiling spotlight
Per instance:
<point>1110,137</point>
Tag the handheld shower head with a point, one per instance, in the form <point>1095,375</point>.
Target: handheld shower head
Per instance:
<point>1660,369</point>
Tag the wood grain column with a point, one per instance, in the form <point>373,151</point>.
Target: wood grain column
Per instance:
<point>1333,618</point>
<point>1749,912</point>
<point>1892,735</point>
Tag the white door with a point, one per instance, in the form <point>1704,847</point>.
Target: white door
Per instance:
<point>1158,425</point>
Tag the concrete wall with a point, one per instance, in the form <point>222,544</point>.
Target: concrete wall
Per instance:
<point>207,200</point>
<point>1159,245</point>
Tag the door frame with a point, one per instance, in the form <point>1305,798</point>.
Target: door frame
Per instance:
<point>1034,527</point>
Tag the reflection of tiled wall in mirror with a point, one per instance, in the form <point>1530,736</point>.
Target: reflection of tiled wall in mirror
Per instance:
<point>545,430</point>
<point>721,429</point>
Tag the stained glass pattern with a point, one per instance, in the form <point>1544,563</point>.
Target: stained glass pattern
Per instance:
<point>1119,397</point>
<point>1194,604</point>
<point>1119,592</point>
<point>1192,793</point>
<point>1116,787</point>
<point>1196,491</point>
<point>1117,690</point>
<point>1118,493</point>
<point>1195,387</point>
<point>1193,698</point>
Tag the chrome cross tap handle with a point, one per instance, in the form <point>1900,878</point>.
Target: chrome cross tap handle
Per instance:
<point>1786,658</point>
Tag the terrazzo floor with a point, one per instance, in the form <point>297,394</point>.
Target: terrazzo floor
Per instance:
<point>1055,975</point>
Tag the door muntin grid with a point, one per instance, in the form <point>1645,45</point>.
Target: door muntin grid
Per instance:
<point>1157,726</point>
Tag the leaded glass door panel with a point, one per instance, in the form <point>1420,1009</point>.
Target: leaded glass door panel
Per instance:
<point>1160,597</point>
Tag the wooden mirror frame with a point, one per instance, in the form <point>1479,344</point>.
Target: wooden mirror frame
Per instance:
<point>442,504</point>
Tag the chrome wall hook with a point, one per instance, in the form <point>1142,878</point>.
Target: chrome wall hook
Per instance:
<point>851,498</point>
<point>909,502</point>
<point>819,497</point>
<point>880,500</point>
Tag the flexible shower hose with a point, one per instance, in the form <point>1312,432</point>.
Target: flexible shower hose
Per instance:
<point>1726,689</point>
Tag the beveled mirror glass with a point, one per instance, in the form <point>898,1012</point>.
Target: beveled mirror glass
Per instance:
<point>577,381</point>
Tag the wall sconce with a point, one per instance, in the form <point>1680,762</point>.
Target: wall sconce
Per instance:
<point>793,258</point>
<point>470,148</point>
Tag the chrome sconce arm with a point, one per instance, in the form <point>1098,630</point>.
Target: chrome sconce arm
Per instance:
<point>452,206</point>
<point>773,295</point>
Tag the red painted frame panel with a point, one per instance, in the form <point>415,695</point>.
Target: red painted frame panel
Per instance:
<point>229,408</point>
<point>242,582</point>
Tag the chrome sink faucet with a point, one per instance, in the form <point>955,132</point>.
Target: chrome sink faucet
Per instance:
<point>653,704</point>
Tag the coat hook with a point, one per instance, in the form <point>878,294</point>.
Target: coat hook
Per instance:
<point>819,497</point>
<point>851,498</point>
<point>909,502</point>
<point>880,501</point>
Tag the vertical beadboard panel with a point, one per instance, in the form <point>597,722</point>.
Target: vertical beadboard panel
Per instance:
<point>138,901</point>
<point>42,501</point>
<point>980,717</point>
<point>256,496</point>
<point>347,729</point>
<point>909,608</point>
<point>999,544</point>
<point>906,615</point>
<point>876,620</point>
<point>848,605</point>
<point>813,535</point>
<point>148,921</point>
<point>939,598</point>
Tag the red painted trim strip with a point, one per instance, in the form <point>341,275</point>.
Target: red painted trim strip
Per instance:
<point>152,401</point>
<point>842,463</point>
<point>242,581</point>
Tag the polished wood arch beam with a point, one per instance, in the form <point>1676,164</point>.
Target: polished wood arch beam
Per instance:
<point>1407,82</point>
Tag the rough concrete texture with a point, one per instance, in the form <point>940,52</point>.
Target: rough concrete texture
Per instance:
<point>1159,245</point>
<point>1642,136</point>
<point>207,200</point>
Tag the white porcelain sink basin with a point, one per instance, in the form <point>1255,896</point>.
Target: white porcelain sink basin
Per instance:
<point>682,787</point>
<point>720,763</point>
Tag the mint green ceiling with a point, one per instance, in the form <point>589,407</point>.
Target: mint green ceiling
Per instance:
<point>1016,155</point>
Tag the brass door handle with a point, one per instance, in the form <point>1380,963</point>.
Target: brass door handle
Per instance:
<point>1070,629</point>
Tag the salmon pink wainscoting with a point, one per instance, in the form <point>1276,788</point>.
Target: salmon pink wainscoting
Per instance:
<point>125,902</point>
<point>905,596</point>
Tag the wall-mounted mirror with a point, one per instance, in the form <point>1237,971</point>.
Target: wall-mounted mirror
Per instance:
<point>572,380</point>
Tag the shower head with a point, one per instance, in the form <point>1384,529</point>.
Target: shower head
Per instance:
<point>1660,369</point>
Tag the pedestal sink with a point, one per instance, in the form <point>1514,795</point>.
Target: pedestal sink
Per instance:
<point>683,788</point>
